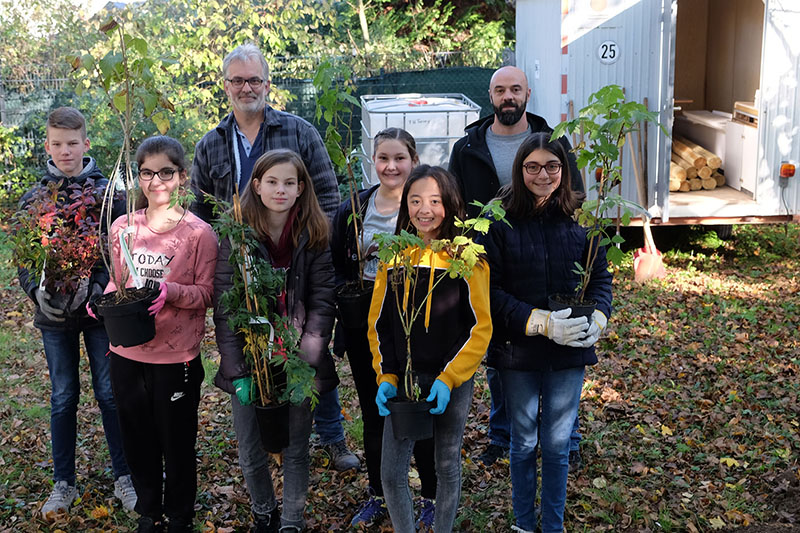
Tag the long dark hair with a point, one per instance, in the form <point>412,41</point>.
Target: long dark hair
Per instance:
<point>519,201</point>
<point>160,144</point>
<point>451,200</point>
<point>309,214</point>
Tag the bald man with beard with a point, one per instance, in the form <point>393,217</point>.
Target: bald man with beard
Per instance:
<point>481,161</point>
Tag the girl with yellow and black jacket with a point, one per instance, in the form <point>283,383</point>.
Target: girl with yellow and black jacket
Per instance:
<point>447,344</point>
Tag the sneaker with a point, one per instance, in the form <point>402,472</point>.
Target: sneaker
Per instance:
<point>342,458</point>
<point>290,529</point>
<point>267,523</point>
<point>518,529</point>
<point>427,510</point>
<point>575,461</point>
<point>492,453</point>
<point>145,524</point>
<point>60,499</point>
<point>124,491</point>
<point>180,525</point>
<point>371,512</point>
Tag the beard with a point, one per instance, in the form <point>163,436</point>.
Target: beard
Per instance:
<point>509,117</point>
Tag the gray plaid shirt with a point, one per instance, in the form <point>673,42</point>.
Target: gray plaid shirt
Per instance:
<point>214,167</point>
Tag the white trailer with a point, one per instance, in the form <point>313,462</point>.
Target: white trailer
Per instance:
<point>697,63</point>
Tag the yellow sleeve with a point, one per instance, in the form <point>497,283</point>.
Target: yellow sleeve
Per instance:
<point>464,364</point>
<point>375,339</point>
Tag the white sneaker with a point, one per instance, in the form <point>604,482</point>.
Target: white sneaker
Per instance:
<point>60,498</point>
<point>123,489</point>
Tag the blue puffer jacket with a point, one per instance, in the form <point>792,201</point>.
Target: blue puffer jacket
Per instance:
<point>528,262</point>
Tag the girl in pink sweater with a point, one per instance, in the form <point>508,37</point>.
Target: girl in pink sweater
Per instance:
<point>157,384</point>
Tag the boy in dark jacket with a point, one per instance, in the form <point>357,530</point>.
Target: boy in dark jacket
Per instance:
<point>62,319</point>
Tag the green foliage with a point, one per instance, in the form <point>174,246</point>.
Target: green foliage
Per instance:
<point>403,253</point>
<point>271,343</point>
<point>17,166</point>
<point>605,122</point>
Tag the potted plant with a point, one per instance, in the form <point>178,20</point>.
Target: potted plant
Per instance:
<point>333,97</point>
<point>270,340</point>
<point>604,124</point>
<point>57,236</point>
<point>125,75</point>
<point>409,414</point>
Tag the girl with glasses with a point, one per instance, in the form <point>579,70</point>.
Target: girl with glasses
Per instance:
<point>541,355</point>
<point>157,384</point>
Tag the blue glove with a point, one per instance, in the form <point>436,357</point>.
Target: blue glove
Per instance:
<point>243,388</point>
<point>385,391</point>
<point>441,394</point>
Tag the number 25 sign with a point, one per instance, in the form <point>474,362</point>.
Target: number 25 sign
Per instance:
<point>608,52</point>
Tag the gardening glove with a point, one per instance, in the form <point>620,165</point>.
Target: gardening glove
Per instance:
<point>91,304</point>
<point>556,326</point>
<point>596,327</point>
<point>243,388</point>
<point>160,300</point>
<point>90,310</point>
<point>80,296</point>
<point>441,394</point>
<point>385,391</point>
<point>52,313</point>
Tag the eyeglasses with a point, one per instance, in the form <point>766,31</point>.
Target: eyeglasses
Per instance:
<point>534,168</point>
<point>165,174</point>
<point>238,82</point>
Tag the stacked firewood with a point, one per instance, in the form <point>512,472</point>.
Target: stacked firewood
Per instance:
<point>693,167</point>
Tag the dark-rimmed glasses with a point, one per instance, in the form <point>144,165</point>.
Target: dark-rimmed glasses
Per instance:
<point>238,82</point>
<point>165,174</point>
<point>532,169</point>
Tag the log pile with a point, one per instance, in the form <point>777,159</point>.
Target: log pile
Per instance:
<point>693,167</point>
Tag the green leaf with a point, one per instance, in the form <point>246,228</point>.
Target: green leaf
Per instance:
<point>121,100</point>
<point>614,255</point>
<point>161,121</point>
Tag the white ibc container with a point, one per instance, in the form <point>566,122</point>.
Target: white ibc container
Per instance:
<point>436,121</point>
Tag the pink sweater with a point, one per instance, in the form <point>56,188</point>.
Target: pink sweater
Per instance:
<point>184,257</point>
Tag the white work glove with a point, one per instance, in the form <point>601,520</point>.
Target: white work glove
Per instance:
<point>53,314</point>
<point>596,326</point>
<point>556,326</point>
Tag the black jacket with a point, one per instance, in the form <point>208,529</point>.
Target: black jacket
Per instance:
<point>472,165</point>
<point>98,279</point>
<point>344,251</point>
<point>309,301</point>
<point>528,262</point>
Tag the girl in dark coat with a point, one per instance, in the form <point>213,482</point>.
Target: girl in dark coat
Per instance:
<point>280,205</point>
<point>541,354</point>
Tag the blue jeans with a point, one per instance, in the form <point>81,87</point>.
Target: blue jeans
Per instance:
<point>62,350</point>
<point>499,428</point>
<point>448,433</point>
<point>254,462</point>
<point>328,418</point>
<point>499,431</point>
<point>557,393</point>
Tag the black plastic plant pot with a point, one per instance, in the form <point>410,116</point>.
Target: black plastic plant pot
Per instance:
<point>557,302</point>
<point>411,420</point>
<point>353,304</point>
<point>128,323</point>
<point>273,425</point>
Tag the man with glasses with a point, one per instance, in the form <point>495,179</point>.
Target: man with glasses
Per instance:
<point>481,161</point>
<point>225,156</point>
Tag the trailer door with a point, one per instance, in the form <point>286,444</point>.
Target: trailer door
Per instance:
<point>779,105</point>
<point>658,164</point>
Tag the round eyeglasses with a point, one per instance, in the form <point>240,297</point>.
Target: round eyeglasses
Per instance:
<point>165,174</point>
<point>532,169</point>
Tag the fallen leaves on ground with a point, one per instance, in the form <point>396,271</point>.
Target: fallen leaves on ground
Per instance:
<point>690,421</point>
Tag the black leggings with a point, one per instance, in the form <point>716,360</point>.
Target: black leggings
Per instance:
<point>360,357</point>
<point>157,406</point>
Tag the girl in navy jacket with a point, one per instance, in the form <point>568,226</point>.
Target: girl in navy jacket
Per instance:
<point>541,354</point>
